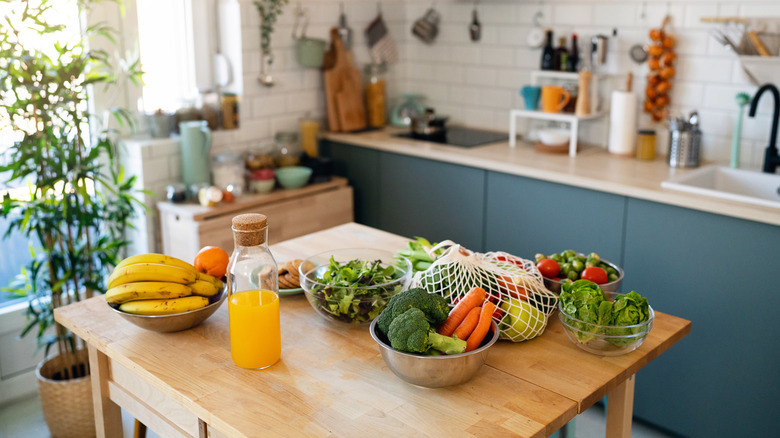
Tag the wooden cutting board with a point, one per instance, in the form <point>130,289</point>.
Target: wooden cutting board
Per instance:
<point>343,88</point>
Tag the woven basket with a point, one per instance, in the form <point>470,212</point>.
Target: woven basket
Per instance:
<point>67,404</point>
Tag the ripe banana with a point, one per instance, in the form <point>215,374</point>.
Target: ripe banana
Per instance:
<point>160,259</point>
<point>203,288</point>
<point>146,290</point>
<point>164,307</point>
<point>150,272</point>
<point>214,280</point>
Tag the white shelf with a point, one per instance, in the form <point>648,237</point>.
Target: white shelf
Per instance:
<point>573,120</point>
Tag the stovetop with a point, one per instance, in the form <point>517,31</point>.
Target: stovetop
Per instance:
<point>460,137</point>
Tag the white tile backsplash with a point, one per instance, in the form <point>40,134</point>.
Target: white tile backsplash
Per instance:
<point>477,82</point>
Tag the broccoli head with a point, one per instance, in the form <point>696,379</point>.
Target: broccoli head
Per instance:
<point>434,306</point>
<point>412,333</point>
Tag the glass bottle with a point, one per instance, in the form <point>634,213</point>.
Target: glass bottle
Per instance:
<point>574,54</point>
<point>288,149</point>
<point>560,55</point>
<point>547,53</point>
<point>253,295</point>
<point>376,100</point>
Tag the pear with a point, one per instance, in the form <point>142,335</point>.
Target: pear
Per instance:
<point>522,320</point>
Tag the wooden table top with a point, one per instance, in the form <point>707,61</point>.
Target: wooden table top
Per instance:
<point>331,379</point>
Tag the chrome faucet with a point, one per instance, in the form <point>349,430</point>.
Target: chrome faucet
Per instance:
<point>771,158</point>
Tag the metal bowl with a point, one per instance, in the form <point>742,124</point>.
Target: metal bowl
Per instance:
<point>434,371</point>
<point>612,286</point>
<point>176,322</point>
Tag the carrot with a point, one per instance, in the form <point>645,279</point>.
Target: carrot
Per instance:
<point>467,326</point>
<point>472,299</point>
<point>483,326</point>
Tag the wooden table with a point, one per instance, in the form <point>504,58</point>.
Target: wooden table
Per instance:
<point>332,381</point>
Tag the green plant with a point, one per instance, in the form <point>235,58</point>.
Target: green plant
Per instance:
<point>269,11</point>
<point>79,200</point>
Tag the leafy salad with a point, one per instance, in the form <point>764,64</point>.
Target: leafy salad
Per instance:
<point>355,291</point>
<point>595,314</point>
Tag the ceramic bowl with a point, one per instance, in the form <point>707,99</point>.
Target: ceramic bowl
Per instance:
<point>434,371</point>
<point>293,177</point>
<point>554,136</point>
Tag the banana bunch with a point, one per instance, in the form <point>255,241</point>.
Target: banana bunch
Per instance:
<point>157,284</point>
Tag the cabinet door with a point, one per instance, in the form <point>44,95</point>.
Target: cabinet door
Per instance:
<point>432,199</point>
<point>722,274</point>
<point>527,216</point>
<point>361,167</point>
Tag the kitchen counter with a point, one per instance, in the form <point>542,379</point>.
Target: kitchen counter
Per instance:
<point>593,168</point>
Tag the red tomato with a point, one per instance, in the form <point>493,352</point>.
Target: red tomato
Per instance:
<point>595,274</point>
<point>548,267</point>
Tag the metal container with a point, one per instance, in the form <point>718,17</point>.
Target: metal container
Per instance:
<point>176,322</point>
<point>434,371</point>
<point>684,142</point>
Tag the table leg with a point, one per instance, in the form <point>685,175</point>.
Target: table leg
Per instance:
<point>108,415</point>
<point>620,409</point>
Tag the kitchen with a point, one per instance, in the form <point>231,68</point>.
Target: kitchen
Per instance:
<point>477,83</point>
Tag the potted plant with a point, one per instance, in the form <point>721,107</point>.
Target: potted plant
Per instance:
<point>79,200</point>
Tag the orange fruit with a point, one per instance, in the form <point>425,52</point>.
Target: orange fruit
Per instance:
<point>212,260</point>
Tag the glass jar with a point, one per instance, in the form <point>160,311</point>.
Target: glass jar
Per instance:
<point>310,128</point>
<point>288,149</point>
<point>253,295</point>
<point>260,156</point>
<point>376,97</point>
<point>645,144</point>
<point>227,169</point>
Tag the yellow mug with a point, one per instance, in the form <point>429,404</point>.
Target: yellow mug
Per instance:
<point>554,98</point>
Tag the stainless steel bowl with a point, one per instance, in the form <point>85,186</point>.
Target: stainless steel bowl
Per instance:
<point>612,286</point>
<point>176,322</point>
<point>434,371</point>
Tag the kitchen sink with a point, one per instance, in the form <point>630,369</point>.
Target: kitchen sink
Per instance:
<point>724,182</point>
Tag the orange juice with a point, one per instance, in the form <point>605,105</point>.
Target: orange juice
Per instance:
<point>255,333</point>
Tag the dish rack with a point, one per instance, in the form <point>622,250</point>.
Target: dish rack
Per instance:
<point>598,108</point>
<point>765,32</point>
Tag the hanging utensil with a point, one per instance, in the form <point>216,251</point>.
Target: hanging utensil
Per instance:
<point>345,32</point>
<point>638,53</point>
<point>535,38</point>
<point>475,28</point>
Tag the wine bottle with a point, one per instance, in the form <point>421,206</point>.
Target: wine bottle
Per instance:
<point>574,55</point>
<point>547,53</point>
<point>560,55</point>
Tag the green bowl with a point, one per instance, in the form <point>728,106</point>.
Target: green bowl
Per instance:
<point>293,177</point>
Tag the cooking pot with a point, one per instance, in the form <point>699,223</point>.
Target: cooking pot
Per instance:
<point>427,124</point>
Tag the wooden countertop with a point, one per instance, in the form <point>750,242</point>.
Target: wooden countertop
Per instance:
<point>331,379</point>
<point>593,168</point>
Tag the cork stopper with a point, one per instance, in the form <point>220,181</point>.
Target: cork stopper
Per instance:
<point>250,229</point>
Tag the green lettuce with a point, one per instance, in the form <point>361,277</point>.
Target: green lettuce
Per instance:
<point>586,301</point>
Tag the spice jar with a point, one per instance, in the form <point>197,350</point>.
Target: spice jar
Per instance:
<point>288,150</point>
<point>645,144</point>
<point>253,295</point>
<point>227,170</point>
<point>376,97</point>
<point>260,156</point>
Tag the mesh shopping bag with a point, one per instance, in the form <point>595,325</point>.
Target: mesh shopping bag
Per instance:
<point>513,284</point>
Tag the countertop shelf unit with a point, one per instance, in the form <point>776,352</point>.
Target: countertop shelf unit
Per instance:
<point>542,77</point>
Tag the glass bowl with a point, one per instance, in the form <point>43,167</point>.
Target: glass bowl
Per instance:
<point>613,286</point>
<point>358,304</point>
<point>435,371</point>
<point>605,340</point>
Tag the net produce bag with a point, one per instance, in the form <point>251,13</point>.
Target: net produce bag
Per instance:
<point>512,283</point>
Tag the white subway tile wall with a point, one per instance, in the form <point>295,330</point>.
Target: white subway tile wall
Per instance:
<point>477,83</point>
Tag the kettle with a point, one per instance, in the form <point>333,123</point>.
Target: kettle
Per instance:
<point>195,147</point>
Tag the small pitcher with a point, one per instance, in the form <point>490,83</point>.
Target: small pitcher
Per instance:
<point>195,147</point>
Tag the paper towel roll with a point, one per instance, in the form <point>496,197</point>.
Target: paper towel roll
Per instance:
<point>622,123</point>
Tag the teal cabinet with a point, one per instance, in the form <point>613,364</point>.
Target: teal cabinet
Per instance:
<point>525,216</point>
<point>722,274</point>
<point>432,199</point>
<point>361,168</point>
